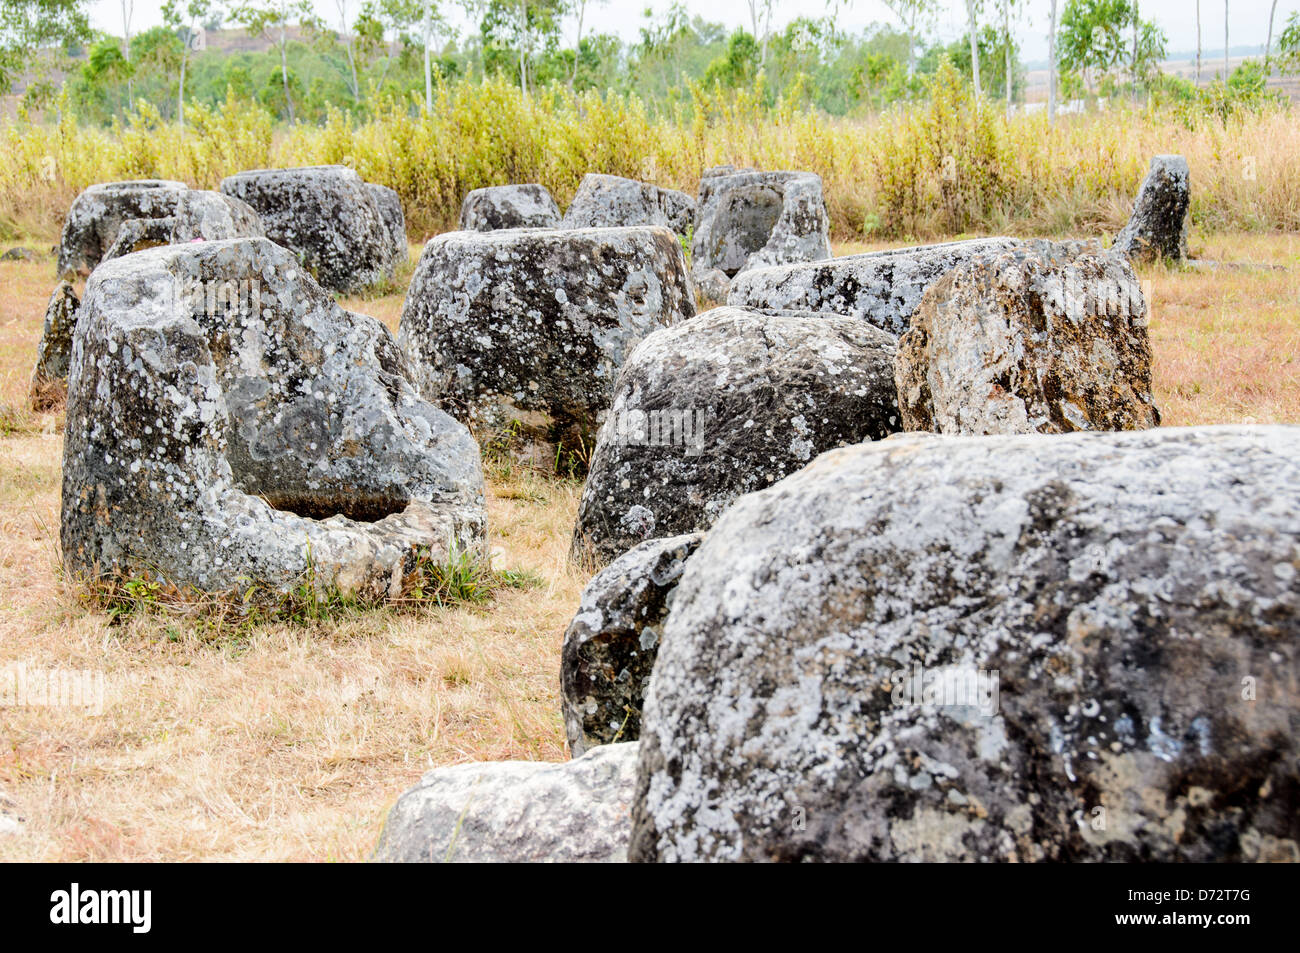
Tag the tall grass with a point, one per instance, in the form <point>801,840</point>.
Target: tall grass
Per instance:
<point>940,168</point>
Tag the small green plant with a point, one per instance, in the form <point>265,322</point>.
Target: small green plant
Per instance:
<point>459,577</point>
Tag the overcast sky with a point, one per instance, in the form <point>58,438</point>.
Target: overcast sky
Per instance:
<point>1248,23</point>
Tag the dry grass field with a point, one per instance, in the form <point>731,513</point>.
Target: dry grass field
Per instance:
<point>290,742</point>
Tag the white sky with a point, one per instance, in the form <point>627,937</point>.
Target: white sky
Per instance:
<point>1248,23</point>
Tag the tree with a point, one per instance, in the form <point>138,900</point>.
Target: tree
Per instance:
<point>1198,43</point>
<point>580,7</point>
<point>271,19</point>
<point>1009,46</point>
<point>30,28</point>
<point>909,13</point>
<point>128,7</point>
<point>760,16</point>
<point>186,19</point>
<point>1092,40</point>
<point>1225,41</point>
<point>1051,66</point>
<point>1268,46</point>
<point>972,13</point>
<point>1288,45</point>
<point>738,65</point>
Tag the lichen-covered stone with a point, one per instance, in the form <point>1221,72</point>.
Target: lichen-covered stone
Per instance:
<point>712,285</point>
<point>96,214</point>
<point>389,204</point>
<point>516,812</point>
<point>229,425</point>
<point>1042,337</point>
<point>327,216</point>
<point>196,215</point>
<point>724,404</point>
<point>747,220</point>
<point>610,201</point>
<point>55,350</point>
<point>1082,647</point>
<point>610,646</point>
<point>882,288</point>
<point>509,206</point>
<point>1158,226</point>
<point>530,326</point>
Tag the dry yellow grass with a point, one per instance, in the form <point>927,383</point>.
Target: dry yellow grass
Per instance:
<point>291,744</point>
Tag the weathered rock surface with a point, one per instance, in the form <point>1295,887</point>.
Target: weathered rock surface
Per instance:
<point>610,646</point>
<point>509,206</point>
<point>228,424</point>
<point>1043,337</point>
<point>516,812</point>
<point>196,215</point>
<point>96,214</point>
<point>610,201</point>
<point>747,220</point>
<point>1158,226</point>
<point>882,288</point>
<point>327,216</point>
<point>55,350</point>
<point>724,404</point>
<point>389,204</point>
<point>531,326</point>
<point>1131,600</point>
<point>712,285</point>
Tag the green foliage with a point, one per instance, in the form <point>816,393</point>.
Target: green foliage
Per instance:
<point>1095,40</point>
<point>460,577</point>
<point>32,30</point>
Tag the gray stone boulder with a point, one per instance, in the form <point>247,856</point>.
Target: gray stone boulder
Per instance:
<point>170,214</point>
<point>1083,647</point>
<point>724,404</point>
<point>327,216</point>
<point>96,214</point>
<point>516,812</point>
<point>712,286</point>
<point>1158,226</point>
<point>196,215</point>
<point>228,425</point>
<point>55,350</point>
<point>882,288</point>
<point>747,220</point>
<point>528,327</point>
<point>609,648</point>
<point>509,206</point>
<point>389,204</point>
<point>1043,337</point>
<point>610,201</point>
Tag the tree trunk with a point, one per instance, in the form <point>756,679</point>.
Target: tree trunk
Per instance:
<point>1268,47</point>
<point>1006,38</point>
<point>974,47</point>
<point>577,48</point>
<point>180,88</point>
<point>1225,42</point>
<point>1137,18</point>
<point>911,47</point>
<point>1198,42</point>
<point>284,69</point>
<point>1051,67</point>
<point>428,66</point>
<point>523,46</point>
<point>127,7</point>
